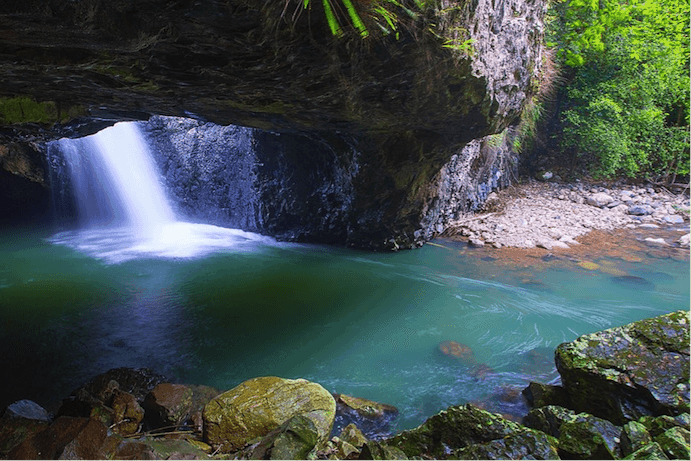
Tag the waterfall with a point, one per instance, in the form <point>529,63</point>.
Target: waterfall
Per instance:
<point>115,182</point>
<point>121,207</point>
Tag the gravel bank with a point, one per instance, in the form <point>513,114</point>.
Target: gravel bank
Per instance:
<point>553,215</point>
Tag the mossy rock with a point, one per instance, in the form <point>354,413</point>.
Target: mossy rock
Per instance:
<point>295,439</point>
<point>540,395</point>
<point>454,428</point>
<point>675,443</point>
<point>650,451</point>
<point>623,373</point>
<point>174,449</point>
<point>528,444</point>
<point>589,437</point>
<point>375,450</point>
<point>549,419</point>
<point>260,405</point>
<point>634,436</point>
<point>353,436</point>
<point>657,425</point>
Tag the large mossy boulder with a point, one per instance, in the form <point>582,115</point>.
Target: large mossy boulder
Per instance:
<point>623,373</point>
<point>258,406</point>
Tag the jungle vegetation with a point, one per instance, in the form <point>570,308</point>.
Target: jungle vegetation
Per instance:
<point>625,65</point>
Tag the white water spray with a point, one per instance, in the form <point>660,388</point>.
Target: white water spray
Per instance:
<point>123,210</point>
<point>134,179</point>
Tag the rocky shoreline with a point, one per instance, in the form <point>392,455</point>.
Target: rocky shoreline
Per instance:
<point>552,215</point>
<point>624,395</point>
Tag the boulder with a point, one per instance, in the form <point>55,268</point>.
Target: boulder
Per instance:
<point>673,219</point>
<point>375,450</point>
<point>260,405</point>
<point>338,449</point>
<point>88,443</point>
<point>548,419</point>
<point>658,425</point>
<point>650,451</point>
<point>20,423</point>
<point>127,413</point>
<point>599,200</point>
<point>634,436</point>
<point>353,436</point>
<point>589,437</point>
<point>51,442</point>
<point>27,409</point>
<point>156,448</point>
<point>526,444</point>
<point>294,439</point>
<point>675,443</point>
<point>168,404</point>
<point>640,210</point>
<point>631,371</point>
<point>451,429</point>
<point>540,395</point>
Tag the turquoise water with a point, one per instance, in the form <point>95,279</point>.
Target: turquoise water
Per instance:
<point>363,324</point>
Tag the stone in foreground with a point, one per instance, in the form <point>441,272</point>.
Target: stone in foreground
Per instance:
<point>260,405</point>
<point>454,428</point>
<point>624,373</point>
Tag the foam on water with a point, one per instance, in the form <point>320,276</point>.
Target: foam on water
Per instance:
<point>174,240</point>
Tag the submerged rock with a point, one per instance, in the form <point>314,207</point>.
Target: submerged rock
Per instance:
<point>458,351</point>
<point>260,405</point>
<point>627,372</point>
<point>634,282</point>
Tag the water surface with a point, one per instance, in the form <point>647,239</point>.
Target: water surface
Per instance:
<point>364,324</point>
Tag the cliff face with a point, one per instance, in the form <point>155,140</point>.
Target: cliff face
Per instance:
<point>375,119</point>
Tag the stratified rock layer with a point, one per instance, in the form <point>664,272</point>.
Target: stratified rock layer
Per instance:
<point>627,372</point>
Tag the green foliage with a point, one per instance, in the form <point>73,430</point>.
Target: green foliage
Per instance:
<point>379,13</point>
<point>628,101</point>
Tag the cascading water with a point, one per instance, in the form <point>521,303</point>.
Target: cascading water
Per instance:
<point>121,207</point>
